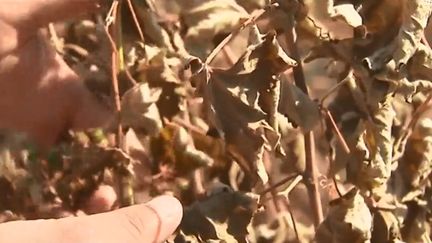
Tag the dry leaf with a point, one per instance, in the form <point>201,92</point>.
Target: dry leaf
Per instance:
<point>376,146</point>
<point>224,215</point>
<point>242,101</point>
<point>175,147</point>
<point>139,108</point>
<point>348,220</point>
<point>416,16</point>
<point>160,72</point>
<point>336,21</point>
<point>385,227</point>
<point>299,108</point>
<point>209,19</point>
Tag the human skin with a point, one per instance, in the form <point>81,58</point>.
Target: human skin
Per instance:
<point>42,97</point>
<point>151,222</point>
<point>39,94</point>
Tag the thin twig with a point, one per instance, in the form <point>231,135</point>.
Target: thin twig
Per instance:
<point>285,193</point>
<point>241,27</point>
<point>114,75</point>
<point>135,19</point>
<point>311,172</point>
<point>291,186</point>
<point>111,10</point>
<point>83,53</point>
<point>332,90</point>
<point>339,135</point>
<point>113,27</point>
<point>188,126</point>
<point>338,191</point>
<point>111,40</point>
<point>274,198</point>
<point>130,78</point>
<point>288,206</point>
<point>278,184</point>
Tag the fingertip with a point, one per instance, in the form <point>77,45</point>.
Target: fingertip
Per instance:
<point>167,205</point>
<point>170,212</point>
<point>154,221</point>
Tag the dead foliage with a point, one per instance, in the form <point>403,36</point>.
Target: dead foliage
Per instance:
<point>222,102</point>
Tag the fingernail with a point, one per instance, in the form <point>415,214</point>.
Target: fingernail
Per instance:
<point>170,212</point>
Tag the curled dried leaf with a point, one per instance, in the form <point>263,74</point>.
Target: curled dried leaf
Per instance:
<point>337,21</point>
<point>224,215</point>
<point>139,108</point>
<point>416,16</point>
<point>416,162</point>
<point>208,19</point>
<point>242,101</point>
<point>348,220</point>
<point>376,146</point>
<point>299,108</point>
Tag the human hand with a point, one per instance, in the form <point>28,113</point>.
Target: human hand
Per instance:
<point>39,94</point>
<point>151,222</point>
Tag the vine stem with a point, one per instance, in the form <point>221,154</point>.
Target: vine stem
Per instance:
<point>114,32</point>
<point>287,204</point>
<point>135,19</point>
<point>311,172</point>
<point>336,130</point>
<point>278,184</point>
<point>112,29</point>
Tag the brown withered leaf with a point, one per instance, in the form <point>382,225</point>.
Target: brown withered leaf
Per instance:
<point>208,19</point>
<point>242,101</point>
<point>299,108</point>
<point>280,229</point>
<point>9,169</point>
<point>213,17</point>
<point>385,227</point>
<point>375,38</point>
<point>189,155</point>
<point>416,227</point>
<point>14,157</point>
<point>406,41</point>
<point>224,215</point>
<point>213,147</point>
<point>348,220</point>
<point>416,16</point>
<point>337,21</point>
<point>153,31</point>
<point>160,72</point>
<point>175,147</point>
<point>339,50</point>
<point>416,162</point>
<point>420,65</point>
<point>87,165</point>
<point>376,146</point>
<point>250,5</point>
<point>139,108</point>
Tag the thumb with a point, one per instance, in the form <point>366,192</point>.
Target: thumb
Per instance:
<point>151,222</point>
